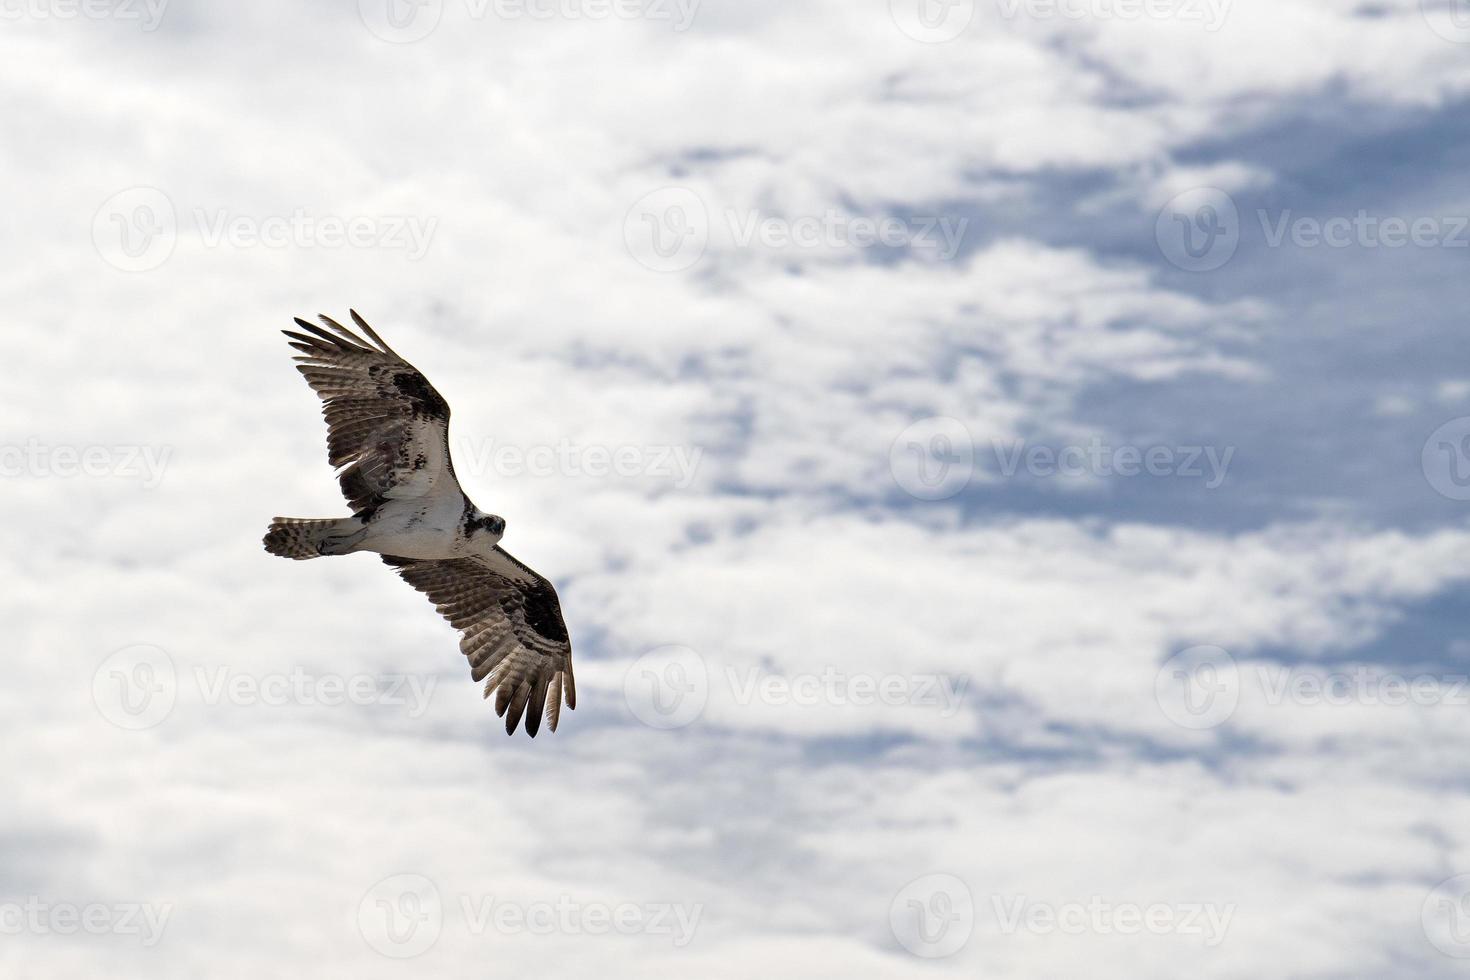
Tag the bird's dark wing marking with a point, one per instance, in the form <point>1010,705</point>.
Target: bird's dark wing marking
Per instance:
<point>513,632</point>
<point>385,423</point>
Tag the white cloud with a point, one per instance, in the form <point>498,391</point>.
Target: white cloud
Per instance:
<point>792,814</point>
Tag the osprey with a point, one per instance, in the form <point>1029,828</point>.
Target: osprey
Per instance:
<point>389,428</point>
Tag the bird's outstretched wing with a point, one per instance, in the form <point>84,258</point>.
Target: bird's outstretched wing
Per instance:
<point>385,422</point>
<point>513,633</point>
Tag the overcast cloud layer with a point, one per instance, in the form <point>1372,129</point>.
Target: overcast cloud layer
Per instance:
<point>1004,464</point>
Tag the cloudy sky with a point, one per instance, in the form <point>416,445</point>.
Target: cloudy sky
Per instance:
<point>1004,462</point>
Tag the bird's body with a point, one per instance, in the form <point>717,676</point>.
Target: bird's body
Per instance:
<point>428,528</point>
<point>424,527</point>
<point>389,430</point>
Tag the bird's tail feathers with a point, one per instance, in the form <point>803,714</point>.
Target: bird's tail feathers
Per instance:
<point>301,538</point>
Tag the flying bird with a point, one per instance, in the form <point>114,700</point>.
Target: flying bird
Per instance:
<point>388,432</point>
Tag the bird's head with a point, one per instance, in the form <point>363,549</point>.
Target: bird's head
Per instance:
<point>484,529</point>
